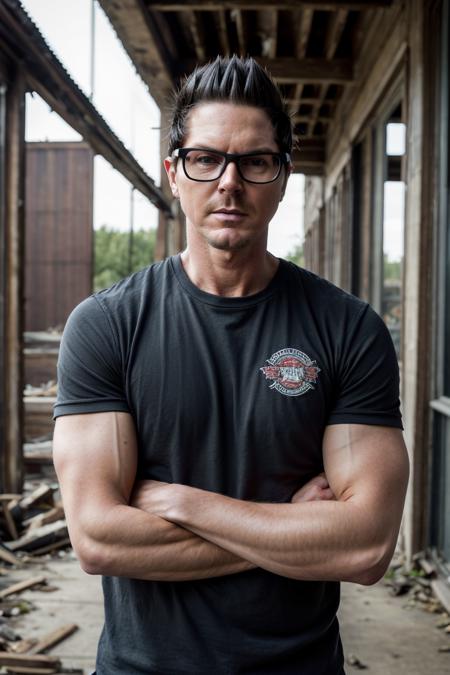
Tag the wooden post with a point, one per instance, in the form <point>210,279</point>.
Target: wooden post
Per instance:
<point>416,348</point>
<point>11,307</point>
<point>171,237</point>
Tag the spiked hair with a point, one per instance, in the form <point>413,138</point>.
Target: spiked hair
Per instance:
<point>232,80</point>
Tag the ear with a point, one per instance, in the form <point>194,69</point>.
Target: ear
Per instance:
<point>171,172</point>
<point>289,170</point>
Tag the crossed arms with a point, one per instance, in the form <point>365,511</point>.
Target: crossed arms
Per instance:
<point>343,527</point>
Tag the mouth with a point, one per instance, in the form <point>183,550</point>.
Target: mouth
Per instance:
<point>229,214</point>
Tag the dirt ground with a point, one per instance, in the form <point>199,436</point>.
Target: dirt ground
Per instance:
<point>383,635</point>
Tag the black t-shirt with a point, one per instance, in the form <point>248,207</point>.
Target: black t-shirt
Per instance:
<point>230,395</point>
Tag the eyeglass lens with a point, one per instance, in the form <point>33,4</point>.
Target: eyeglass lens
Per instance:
<point>204,165</point>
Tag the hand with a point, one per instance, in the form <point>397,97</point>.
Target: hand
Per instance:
<point>315,490</point>
<point>152,496</point>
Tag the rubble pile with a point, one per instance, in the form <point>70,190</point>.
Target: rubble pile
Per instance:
<point>31,525</point>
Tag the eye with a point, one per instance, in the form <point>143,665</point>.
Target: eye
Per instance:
<point>204,159</point>
<point>256,161</point>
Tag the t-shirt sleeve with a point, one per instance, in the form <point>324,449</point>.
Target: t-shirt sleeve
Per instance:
<point>368,375</point>
<point>90,373</point>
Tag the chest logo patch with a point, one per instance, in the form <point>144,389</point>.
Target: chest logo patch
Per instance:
<point>292,371</point>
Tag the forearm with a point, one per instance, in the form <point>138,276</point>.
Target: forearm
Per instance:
<point>327,540</point>
<point>129,542</point>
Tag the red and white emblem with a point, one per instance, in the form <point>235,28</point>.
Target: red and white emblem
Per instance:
<point>293,373</point>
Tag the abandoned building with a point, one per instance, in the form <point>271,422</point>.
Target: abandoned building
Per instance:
<point>367,85</point>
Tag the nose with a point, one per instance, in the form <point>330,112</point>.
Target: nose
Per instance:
<point>230,180</point>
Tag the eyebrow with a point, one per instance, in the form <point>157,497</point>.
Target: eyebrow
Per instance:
<point>247,152</point>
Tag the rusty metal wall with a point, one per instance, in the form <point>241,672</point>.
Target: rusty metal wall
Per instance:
<point>58,231</point>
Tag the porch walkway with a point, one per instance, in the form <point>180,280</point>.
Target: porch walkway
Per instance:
<point>378,631</point>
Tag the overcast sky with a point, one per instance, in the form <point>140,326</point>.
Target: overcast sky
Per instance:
<point>123,100</point>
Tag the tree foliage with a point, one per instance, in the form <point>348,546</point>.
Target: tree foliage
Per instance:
<point>112,254</point>
<point>297,255</point>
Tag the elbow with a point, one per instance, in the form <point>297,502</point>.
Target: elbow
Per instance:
<point>373,566</point>
<point>90,556</point>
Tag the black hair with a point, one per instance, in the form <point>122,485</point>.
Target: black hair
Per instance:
<point>233,80</point>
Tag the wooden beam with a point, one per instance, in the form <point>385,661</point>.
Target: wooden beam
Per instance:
<point>214,5</point>
<point>222,32</point>
<point>194,22</point>
<point>290,70</point>
<point>267,26</point>
<point>241,30</point>
<point>287,70</point>
<point>305,119</point>
<point>309,157</point>
<point>142,41</point>
<point>11,307</point>
<point>302,22</point>
<point>45,75</point>
<point>334,32</point>
<point>335,28</point>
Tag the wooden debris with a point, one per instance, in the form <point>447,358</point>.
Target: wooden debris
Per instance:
<point>29,661</point>
<point>9,520</point>
<point>354,661</point>
<point>24,670</point>
<point>21,586</point>
<point>54,638</point>
<point>62,543</point>
<point>22,646</point>
<point>42,493</point>
<point>51,516</point>
<point>41,536</point>
<point>7,556</point>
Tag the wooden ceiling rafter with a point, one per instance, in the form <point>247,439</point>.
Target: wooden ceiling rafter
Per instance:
<point>308,46</point>
<point>241,30</point>
<point>336,25</point>
<point>196,28</point>
<point>144,44</point>
<point>220,20</point>
<point>289,70</point>
<point>214,5</point>
<point>267,29</point>
<point>302,21</point>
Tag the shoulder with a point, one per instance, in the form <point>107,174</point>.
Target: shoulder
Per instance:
<point>130,290</point>
<point>323,295</point>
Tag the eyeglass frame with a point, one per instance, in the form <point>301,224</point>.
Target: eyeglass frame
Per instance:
<point>180,153</point>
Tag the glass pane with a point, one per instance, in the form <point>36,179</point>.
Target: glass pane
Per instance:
<point>393,248</point>
<point>395,138</point>
<point>440,529</point>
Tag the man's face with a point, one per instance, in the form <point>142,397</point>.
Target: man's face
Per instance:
<point>228,213</point>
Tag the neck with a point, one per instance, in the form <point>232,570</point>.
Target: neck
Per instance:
<point>229,273</point>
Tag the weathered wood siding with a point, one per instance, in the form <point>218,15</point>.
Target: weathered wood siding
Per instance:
<point>58,231</point>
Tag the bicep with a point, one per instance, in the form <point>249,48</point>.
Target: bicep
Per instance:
<point>368,465</point>
<point>95,457</point>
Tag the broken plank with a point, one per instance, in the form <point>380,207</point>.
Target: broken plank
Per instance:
<point>52,547</point>
<point>22,646</point>
<point>54,638</point>
<point>23,670</point>
<point>9,521</point>
<point>29,661</point>
<point>51,516</point>
<point>41,493</point>
<point>21,586</point>
<point>41,536</point>
<point>7,556</point>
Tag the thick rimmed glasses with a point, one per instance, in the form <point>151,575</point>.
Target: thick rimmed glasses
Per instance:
<point>254,167</point>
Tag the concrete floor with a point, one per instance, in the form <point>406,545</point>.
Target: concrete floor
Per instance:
<point>378,630</point>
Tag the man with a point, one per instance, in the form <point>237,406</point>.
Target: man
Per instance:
<point>200,401</point>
